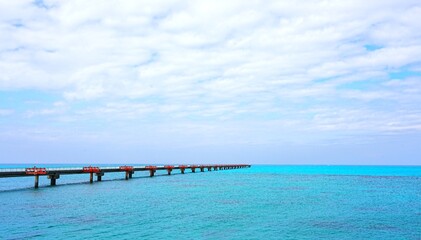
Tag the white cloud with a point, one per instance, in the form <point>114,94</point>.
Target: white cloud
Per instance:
<point>222,61</point>
<point>6,112</point>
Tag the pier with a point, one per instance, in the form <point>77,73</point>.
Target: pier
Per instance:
<point>54,173</point>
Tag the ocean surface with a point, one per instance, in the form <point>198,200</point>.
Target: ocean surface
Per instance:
<point>261,202</point>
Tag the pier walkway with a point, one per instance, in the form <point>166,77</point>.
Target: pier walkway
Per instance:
<point>54,173</point>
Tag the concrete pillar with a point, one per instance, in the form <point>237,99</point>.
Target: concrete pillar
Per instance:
<point>91,177</point>
<point>130,174</point>
<point>202,169</point>
<point>53,178</point>
<point>209,169</point>
<point>99,176</point>
<point>193,169</point>
<point>36,181</point>
<point>169,171</point>
<point>182,170</point>
<point>151,172</point>
<point>127,175</point>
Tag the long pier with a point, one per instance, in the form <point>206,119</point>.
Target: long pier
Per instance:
<point>54,173</point>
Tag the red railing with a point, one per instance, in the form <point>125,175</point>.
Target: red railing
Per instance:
<point>151,167</point>
<point>126,168</point>
<point>91,169</point>
<point>35,171</point>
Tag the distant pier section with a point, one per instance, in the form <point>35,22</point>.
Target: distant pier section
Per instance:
<point>54,173</point>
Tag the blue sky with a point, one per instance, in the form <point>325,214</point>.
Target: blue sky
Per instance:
<point>280,82</point>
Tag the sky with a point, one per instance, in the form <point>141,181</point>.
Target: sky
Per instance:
<point>260,82</point>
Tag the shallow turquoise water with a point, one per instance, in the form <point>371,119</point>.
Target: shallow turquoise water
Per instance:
<point>263,202</point>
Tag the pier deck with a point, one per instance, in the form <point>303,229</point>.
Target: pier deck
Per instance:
<point>54,173</point>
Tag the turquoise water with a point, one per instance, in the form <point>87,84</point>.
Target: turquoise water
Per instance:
<point>262,202</point>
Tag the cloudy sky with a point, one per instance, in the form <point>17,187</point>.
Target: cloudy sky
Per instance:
<point>287,82</point>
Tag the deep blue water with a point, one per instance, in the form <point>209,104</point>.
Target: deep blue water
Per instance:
<point>262,202</point>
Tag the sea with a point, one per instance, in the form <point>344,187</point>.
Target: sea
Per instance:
<point>261,202</point>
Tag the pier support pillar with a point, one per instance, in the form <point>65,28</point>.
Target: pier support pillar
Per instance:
<point>53,178</point>
<point>202,169</point>
<point>99,176</point>
<point>91,177</point>
<point>129,175</point>
<point>182,170</point>
<point>169,171</point>
<point>193,169</point>
<point>36,181</point>
<point>151,172</point>
<point>209,169</point>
